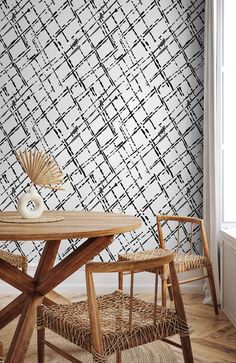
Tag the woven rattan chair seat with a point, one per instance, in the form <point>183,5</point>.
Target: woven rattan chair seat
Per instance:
<point>183,262</point>
<point>190,262</point>
<point>18,261</point>
<point>72,322</point>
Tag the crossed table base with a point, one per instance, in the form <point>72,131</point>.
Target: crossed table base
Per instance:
<point>39,289</point>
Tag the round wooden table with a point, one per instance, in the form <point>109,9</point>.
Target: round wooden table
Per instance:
<point>99,228</point>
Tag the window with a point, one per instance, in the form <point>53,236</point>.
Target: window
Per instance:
<point>229,110</point>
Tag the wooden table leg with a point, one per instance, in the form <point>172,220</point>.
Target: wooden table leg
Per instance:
<point>47,278</point>
<point>15,277</point>
<point>12,310</point>
<point>25,327</point>
<point>24,331</point>
<point>84,253</point>
<point>54,297</point>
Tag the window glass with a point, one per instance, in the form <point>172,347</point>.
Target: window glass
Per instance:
<point>229,111</point>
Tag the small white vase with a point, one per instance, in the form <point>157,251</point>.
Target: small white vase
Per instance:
<point>38,205</point>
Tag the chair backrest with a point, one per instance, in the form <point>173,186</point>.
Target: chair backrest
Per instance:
<point>182,229</point>
<point>19,261</point>
<point>131,267</point>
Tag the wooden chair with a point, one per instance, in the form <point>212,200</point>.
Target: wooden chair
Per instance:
<point>119,321</point>
<point>182,231</point>
<point>18,261</point>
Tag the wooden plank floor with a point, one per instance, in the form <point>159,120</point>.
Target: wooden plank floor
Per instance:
<point>213,337</point>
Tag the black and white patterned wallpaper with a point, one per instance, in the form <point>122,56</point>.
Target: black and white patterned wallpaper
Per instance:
<point>114,90</point>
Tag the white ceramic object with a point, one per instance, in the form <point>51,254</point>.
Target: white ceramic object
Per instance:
<point>23,204</point>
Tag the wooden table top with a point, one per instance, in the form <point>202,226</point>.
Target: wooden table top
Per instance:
<point>76,224</point>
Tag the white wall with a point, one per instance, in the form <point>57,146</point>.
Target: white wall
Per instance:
<point>116,97</point>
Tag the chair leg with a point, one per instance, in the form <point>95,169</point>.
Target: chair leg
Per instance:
<point>170,289</point>
<point>120,278</point>
<point>1,352</point>
<point>163,292</point>
<point>179,307</point>
<point>41,345</point>
<point>212,289</point>
<point>120,281</point>
<point>118,357</point>
<point>187,349</point>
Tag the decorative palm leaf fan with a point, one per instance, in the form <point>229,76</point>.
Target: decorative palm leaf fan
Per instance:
<point>41,168</point>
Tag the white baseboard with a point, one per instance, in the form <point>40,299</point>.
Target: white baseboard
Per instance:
<point>144,283</point>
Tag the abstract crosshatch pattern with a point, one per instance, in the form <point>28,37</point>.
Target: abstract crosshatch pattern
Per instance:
<point>114,90</point>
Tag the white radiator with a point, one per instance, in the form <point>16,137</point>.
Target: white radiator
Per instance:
<point>228,273</point>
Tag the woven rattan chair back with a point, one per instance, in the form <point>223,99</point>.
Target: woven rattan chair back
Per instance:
<point>19,261</point>
<point>190,232</point>
<point>187,237</point>
<point>182,230</point>
<point>119,321</point>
